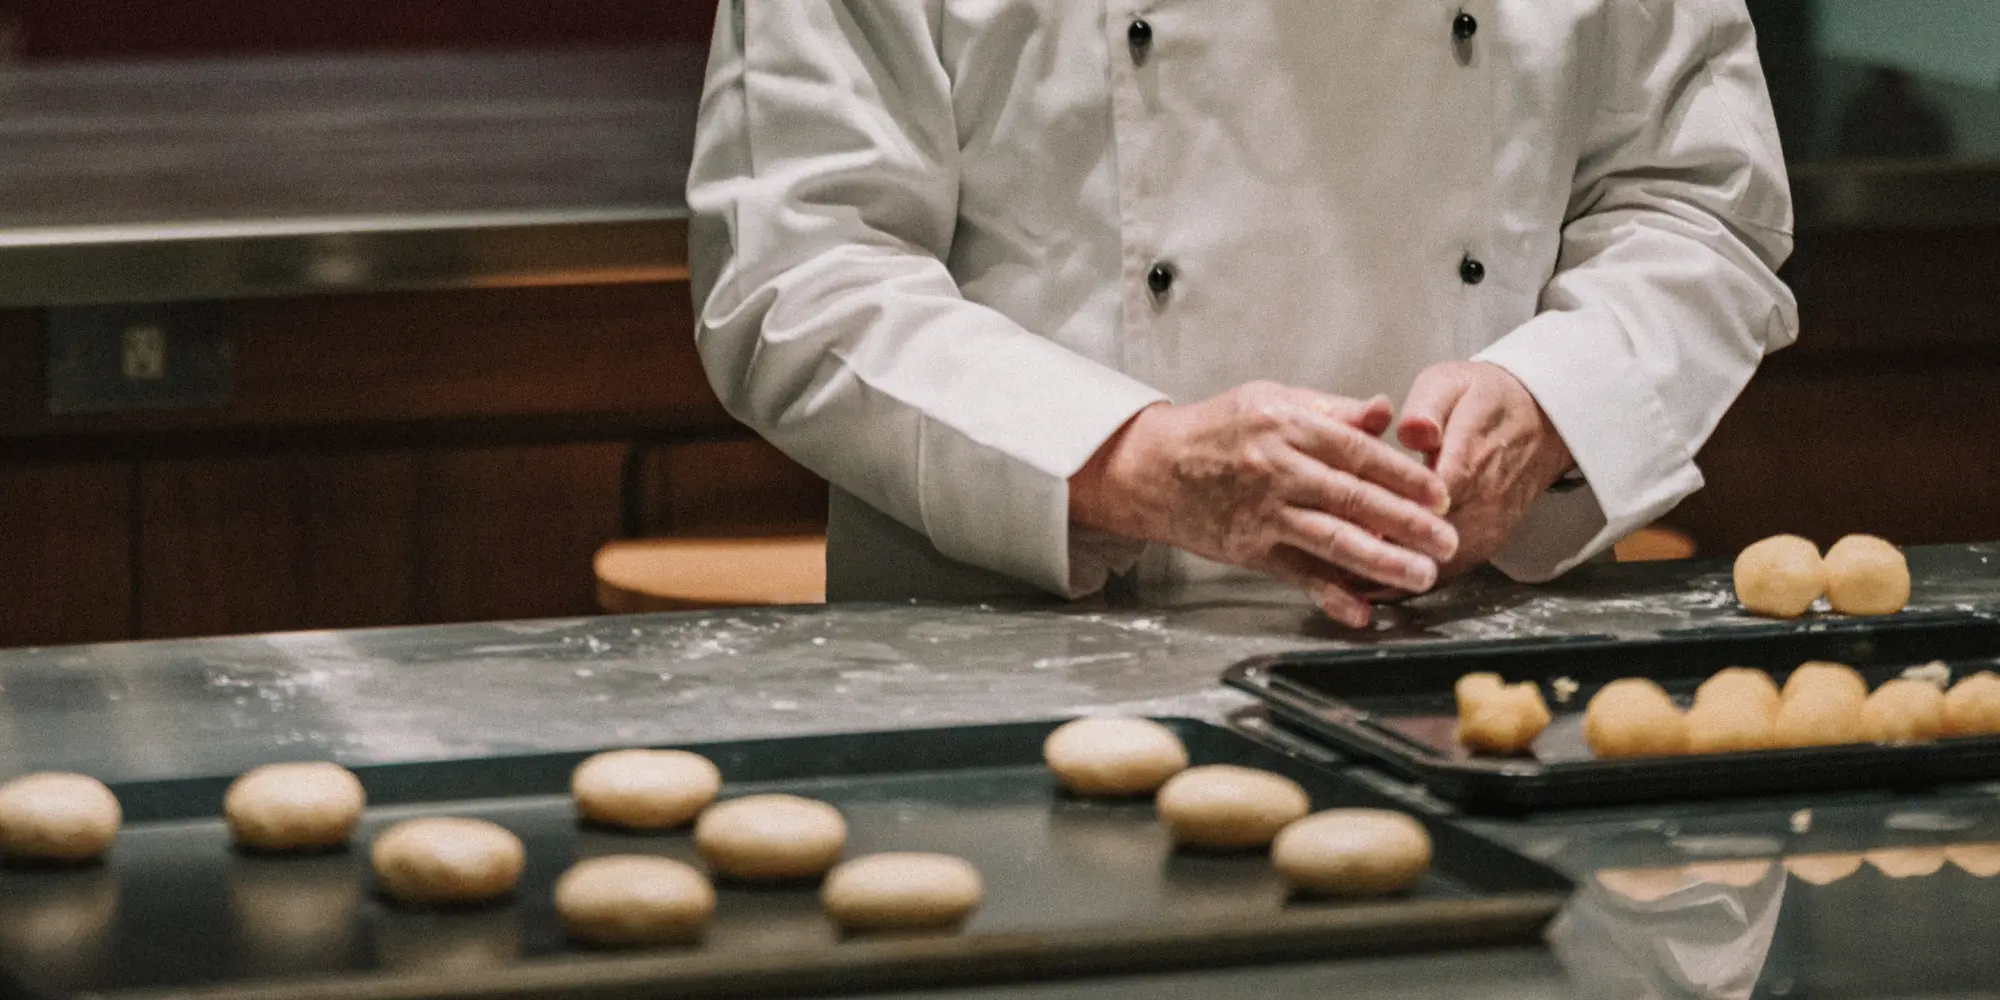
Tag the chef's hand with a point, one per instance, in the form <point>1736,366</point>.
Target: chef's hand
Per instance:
<point>1492,444</point>
<point>1289,482</point>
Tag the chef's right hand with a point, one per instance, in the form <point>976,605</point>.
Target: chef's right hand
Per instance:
<point>1290,482</point>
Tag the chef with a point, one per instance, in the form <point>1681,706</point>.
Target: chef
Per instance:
<point>1057,291</point>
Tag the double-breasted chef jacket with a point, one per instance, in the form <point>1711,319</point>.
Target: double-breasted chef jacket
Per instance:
<point>943,249</point>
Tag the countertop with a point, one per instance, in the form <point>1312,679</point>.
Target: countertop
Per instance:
<point>284,176</point>
<point>1693,906</point>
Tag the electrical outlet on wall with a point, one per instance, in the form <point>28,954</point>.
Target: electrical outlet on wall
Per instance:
<point>109,359</point>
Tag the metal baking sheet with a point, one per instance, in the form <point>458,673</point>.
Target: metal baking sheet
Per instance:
<point>1073,887</point>
<point>1394,705</point>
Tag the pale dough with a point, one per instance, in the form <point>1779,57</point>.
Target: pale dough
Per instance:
<point>1832,678</point>
<point>645,789</point>
<point>1352,852</point>
<point>1499,718</point>
<point>628,899</point>
<point>771,837</point>
<point>1903,711</point>
<point>447,860</point>
<point>1634,717</point>
<point>900,891</point>
<point>1972,708</point>
<point>1717,725</point>
<point>1227,807</point>
<point>1740,684</point>
<point>1780,577</point>
<point>288,807</point>
<point>1866,576</point>
<point>57,817</point>
<point>1114,757</point>
<point>1823,869</point>
<point>1820,717</point>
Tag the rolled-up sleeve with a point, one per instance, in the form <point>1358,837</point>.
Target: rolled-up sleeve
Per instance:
<point>1665,296</point>
<point>824,195</point>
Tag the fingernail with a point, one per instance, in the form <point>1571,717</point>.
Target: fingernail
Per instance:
<point>1423,574</point>
<point>1447,541</point>
<point>1443,506</point>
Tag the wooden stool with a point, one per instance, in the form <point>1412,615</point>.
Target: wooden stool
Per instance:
<point>1655,544</point>
<point>681,574</point>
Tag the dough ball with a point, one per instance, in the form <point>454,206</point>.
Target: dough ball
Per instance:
<point>1107,757</point>
<point>1740,684</point>
<point>645,789</point>
<point>1907,862</point>
<point>1903,711</point>
<point>1830,678</point>
<point>1718,725</point>
<point>1820,717</point>
<point>1823,869</point>
<point>1866,576</point>
<point>1980,860</point>
<point>628,899</point>
<point>1973,706</point>
<point>57,817</point>
<point>447,860</point>
<point>1352,852</point>
<point>1634,717</point>
<point>289,807</point>
<point>1780,576</point>
<point>883,892</point>
<point>765,838</point>
<point>1228,807</point>
<point>1499,719</point>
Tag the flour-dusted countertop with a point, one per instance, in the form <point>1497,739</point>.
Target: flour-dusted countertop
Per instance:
<point>217,706</point>
<point>214,706</point>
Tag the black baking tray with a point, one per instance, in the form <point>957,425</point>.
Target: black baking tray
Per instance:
<point>1393,704</point>
<point>1073,887</point>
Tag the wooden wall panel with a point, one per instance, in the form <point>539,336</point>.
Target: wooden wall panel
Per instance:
<point>509,532</point>
<point>65,565</point>
<point>1909,454</point>
<point>277,543</point>
<point>730,487</point>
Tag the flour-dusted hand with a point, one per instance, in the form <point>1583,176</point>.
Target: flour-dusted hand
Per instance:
<point>1491,443</point>
<point>1286,481</point>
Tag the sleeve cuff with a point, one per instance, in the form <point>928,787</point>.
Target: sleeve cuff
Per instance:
<point>1003,502</point>
<point>1586,378</point>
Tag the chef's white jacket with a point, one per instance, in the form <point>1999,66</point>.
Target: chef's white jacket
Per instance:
<point>943,249</point>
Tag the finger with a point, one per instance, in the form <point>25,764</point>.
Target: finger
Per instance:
<point>1330,539</point>
<point>1372,417</point>
<point>1368,458</point>
<point>1427,411</point>
<point>1308,483</point>
<point>1325,584</point>
<point>1472,419</point>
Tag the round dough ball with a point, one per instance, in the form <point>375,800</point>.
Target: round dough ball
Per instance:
<point>1499,719</point>
<point>645,789</point>
<point>1107,757</point>
<point>883,892</point>
<point>1972,708</point>
<point>1820,717</point>
<point>1823,869</point>
<point>1746,685</point>
<point>447,860</point>
<point>629,899</point>
<point>1718,725</point>
<point>1780,576</point>
<point>1352,852</point>
<point>289,807</point>
<point>57,817</point>
<point>1866,576</point>
<point>764,838</point>
<point>1634,717</point>
<point>1227,807</point>
<point>1903,711</point>
<point>1829,678</point>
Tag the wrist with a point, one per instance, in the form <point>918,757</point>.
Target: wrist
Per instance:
<point>1104,495</point>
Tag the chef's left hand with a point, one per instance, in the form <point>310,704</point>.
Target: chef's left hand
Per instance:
<point>1490,442</point>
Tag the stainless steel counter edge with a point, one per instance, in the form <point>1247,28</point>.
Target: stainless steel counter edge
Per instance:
<point>76,266</point>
